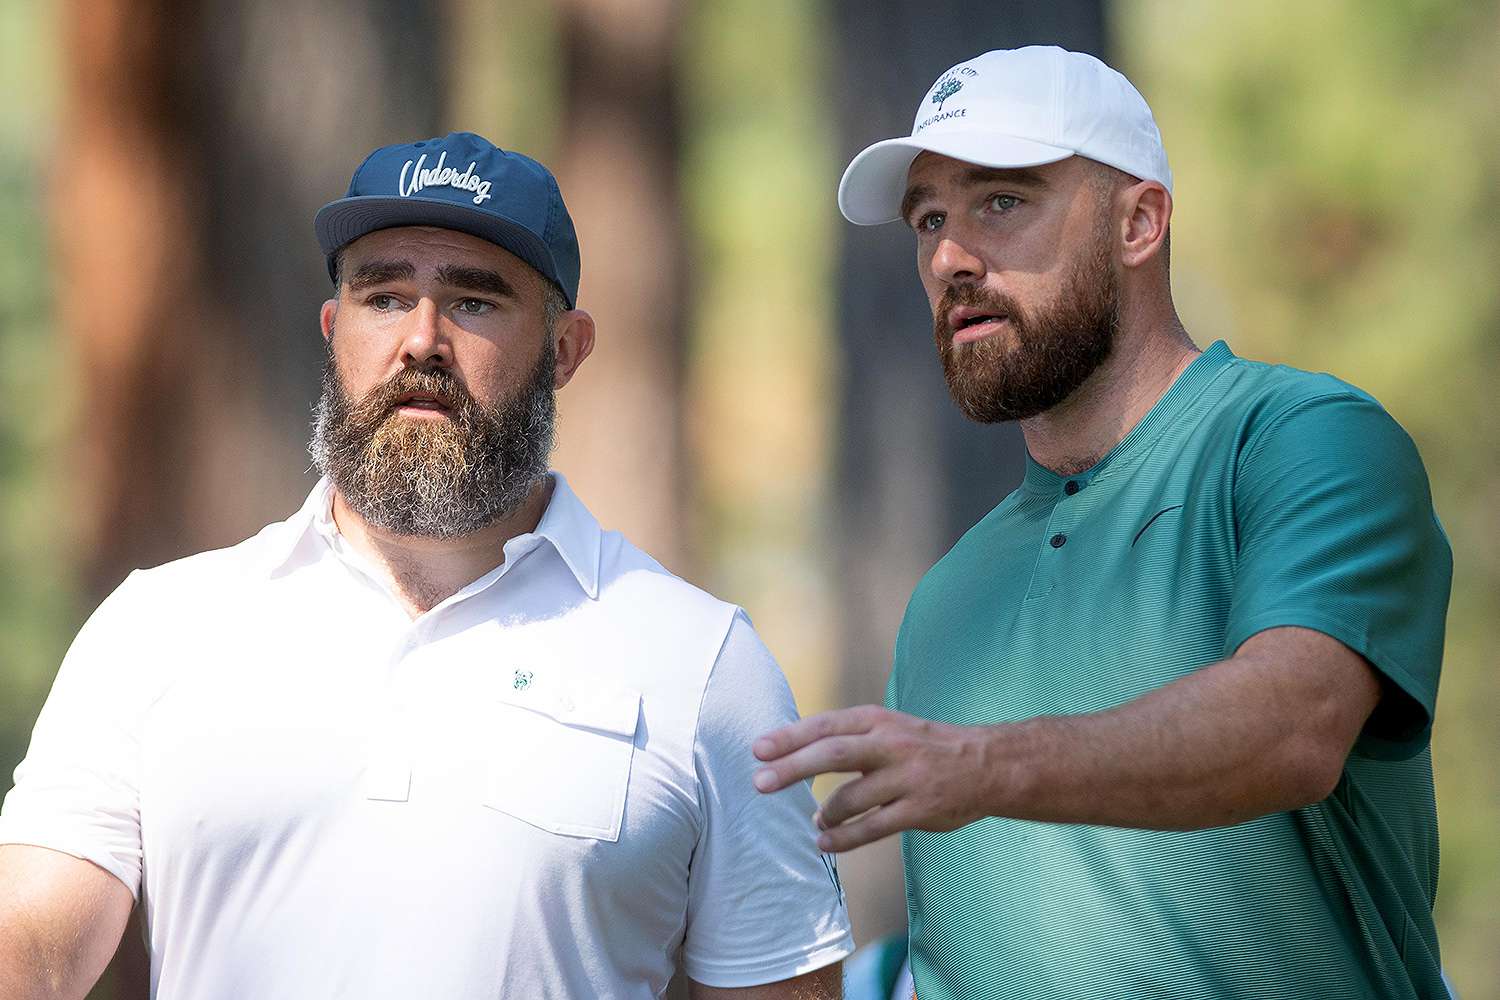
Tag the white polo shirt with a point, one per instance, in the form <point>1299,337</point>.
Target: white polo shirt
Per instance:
<point>539,788</point>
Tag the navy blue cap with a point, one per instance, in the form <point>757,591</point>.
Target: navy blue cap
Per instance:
<point>464,182</point>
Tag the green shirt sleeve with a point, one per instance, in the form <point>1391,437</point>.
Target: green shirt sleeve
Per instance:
<point>1336,533</point>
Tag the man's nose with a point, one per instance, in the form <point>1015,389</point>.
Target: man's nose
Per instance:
<point>425,342</point>
<point>952,262</point>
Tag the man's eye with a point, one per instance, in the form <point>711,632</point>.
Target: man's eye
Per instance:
<point>474,307</point>
<point>931,222</point>
<point>1004,202</point>
<point>381,303</point>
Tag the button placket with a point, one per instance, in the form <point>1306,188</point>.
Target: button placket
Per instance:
<point>388,770</point>
<point>1055,538</point>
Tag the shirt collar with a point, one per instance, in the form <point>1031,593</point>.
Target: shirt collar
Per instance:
<point>291,541</point>
<point>574,533</point>
<point>566,524</point>
<point>1168,409</point>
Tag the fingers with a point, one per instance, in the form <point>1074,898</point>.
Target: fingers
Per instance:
<point>840,722</point>
<point>829,753</point>
<point>854,797</point>
<point>873,826</point>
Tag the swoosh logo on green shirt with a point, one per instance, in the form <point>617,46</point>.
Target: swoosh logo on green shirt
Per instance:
<point>1164,510</point>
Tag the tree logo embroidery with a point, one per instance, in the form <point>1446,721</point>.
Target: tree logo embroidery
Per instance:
<point>522,680</point>
<point>945,90</point>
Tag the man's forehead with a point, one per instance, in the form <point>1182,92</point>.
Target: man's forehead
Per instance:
<point>929,166</point>
<point>432,246</point>
<point>408,253</point>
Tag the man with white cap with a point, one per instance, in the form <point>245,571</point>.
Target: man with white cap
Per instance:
<point>438,733</point>
<point>1158,724</point>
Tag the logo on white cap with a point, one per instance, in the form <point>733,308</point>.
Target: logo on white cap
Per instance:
<point>1012,108</point>
<point>948,85</point>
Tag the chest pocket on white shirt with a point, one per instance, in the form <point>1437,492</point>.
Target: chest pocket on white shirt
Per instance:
<point>561,760</point>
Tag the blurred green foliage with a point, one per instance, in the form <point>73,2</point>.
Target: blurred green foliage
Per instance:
<point>37,606</point>
<point>1336,165</point>
<point>757,159</point>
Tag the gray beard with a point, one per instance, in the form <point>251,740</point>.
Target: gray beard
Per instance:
<point>434,478</point>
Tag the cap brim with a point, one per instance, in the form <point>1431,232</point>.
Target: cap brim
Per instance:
<point>341,222</point>
<point>874,183</point>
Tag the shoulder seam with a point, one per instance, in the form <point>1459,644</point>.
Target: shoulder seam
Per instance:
<point>1297,404</point>
<point>734,612</point>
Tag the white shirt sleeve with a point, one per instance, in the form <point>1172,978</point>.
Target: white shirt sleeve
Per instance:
<point>763,903</point>
<point>77,790</point>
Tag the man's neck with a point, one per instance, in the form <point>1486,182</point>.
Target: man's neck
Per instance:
<point>424,572</point>
<point>1074,435</point>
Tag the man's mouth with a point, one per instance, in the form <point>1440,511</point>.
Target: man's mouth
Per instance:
<point>970,324</point>
<point>421,401</point>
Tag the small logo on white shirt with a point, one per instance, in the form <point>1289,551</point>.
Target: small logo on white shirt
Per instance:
<point>441,176</point>
<point>522,680</point>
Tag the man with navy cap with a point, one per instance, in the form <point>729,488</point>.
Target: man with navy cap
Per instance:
<point>1158,724</point>
<point>438,733</point>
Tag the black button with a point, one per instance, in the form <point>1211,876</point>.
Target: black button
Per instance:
<point>1058,541</point>
<point>1071,487</point>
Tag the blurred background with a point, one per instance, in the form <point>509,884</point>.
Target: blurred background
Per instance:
<point>764,411</point>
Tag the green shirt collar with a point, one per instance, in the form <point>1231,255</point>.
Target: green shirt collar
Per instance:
<point>1180,395</point>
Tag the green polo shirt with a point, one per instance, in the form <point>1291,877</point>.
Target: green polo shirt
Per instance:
<point>1250,497</point>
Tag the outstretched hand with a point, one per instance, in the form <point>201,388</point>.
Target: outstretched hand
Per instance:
<point>915,774</point>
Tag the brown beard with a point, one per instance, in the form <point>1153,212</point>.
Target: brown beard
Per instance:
<point>1055,349</point>
<point>434,478</point>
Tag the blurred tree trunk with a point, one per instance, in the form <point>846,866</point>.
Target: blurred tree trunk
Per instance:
<point>619,431</point>
<point>198,142</point>
<point>620,437</point>
<point>913,474</point>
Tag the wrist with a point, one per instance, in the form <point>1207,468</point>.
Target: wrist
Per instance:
<point>1009,775</point>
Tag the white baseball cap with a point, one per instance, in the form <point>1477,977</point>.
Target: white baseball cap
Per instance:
<point>1012,108</point>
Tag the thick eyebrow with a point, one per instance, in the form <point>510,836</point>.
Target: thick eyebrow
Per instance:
<point>975,177</point>
<point>471,279</point>
<point>476,279</point>
<point>378,272</point>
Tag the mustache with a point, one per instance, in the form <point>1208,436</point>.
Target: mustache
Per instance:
<point>439,383</point>
<point>974,297</point>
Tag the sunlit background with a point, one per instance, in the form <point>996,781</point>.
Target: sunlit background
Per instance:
<point>763,411</point>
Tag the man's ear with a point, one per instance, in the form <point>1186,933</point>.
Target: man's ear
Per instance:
<point>326,316</point>
<point>573,339</point>
<point>1148,208</point>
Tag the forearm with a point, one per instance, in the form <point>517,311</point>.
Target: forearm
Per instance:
<point>1265,731</point>
<point>1229,742</point>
